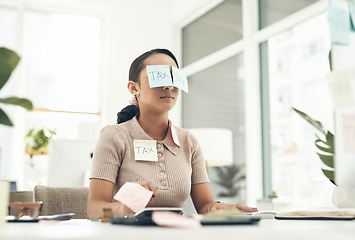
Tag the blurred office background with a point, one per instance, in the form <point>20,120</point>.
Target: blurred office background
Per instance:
<point>248,62</point>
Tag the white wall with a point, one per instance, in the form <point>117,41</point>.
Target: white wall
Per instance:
<point>134,27</point>
<point>130,32</point>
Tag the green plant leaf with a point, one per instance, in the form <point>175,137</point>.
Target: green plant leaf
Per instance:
<point>37,139</point>
<point>228,185</point>
<point>330,60</point>
<point>219,171</point>
<point>8,62</point>
<point>318,125</point>
<point>329,174</point>
<point>23,102</point>
<point>29,133</point>
<point>330,138</point>
<point>4,119</point>
<point>327,160</point>
<point>238,179</point>
<point>327,149</point>
<point>322,141</point>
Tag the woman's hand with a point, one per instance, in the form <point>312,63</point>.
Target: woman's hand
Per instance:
<point>244,208</point>
<point>150,186</point>
<point>216,206</point>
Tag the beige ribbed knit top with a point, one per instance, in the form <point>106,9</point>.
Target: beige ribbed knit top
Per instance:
<point>177,168</point>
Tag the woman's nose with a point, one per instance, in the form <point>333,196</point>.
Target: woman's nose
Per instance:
<point>168,87</point>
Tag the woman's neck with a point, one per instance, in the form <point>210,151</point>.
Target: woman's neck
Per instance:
<point>155,125</point>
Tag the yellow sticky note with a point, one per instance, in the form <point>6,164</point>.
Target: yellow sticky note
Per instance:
<point>145,150</point>
<point>341,89</point>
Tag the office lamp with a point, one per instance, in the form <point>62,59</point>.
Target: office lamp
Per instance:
<point>216,145</point>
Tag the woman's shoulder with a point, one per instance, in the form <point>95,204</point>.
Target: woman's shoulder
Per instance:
<point>116,129</point>
<point>185,134</point>
<point>181,131</point>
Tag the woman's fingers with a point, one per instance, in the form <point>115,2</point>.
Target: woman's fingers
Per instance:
<point>150,186</point>
<point>225,206</point>
<point>245,208</point>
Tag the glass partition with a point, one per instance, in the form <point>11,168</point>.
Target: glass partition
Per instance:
<point>216,29</point>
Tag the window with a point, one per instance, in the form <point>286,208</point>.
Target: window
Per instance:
<point>297,62</point>
<point>59,72</point>
<point>224,81</point>
<point>293,63</point>
<point>271,11</point>
<point>213,31</point>
<point>61,65</point>
<point>61,59</point>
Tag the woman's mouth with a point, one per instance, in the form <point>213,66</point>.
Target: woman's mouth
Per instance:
<point>167,97</point>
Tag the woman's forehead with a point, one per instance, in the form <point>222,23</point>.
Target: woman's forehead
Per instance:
<point>159,59</point>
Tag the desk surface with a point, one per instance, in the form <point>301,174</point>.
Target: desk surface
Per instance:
<point>265,229</point>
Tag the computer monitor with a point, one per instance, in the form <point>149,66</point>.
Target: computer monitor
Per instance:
<point>69,162</point>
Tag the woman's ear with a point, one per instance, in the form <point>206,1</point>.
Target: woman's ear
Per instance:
<point>132,87</point>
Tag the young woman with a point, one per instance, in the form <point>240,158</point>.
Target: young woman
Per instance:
<point>180,170</point>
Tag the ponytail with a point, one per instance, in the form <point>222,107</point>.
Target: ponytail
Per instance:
<point>127,113</point>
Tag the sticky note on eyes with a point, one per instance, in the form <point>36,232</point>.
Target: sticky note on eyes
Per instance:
<point>159,76</point>
<point>180,79</point>
<point>134,196</point>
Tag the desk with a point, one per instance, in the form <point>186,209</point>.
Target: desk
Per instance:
<point>265,229</point>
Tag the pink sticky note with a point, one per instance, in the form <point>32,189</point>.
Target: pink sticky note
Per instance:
<point>349,133</point>
<point>133,196</point>
<point>174,220</point>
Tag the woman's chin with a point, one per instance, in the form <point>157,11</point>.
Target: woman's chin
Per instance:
<point>166,107</point>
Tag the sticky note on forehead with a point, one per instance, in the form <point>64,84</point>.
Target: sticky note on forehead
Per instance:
<point>180,79</point>
<point>159,76</point>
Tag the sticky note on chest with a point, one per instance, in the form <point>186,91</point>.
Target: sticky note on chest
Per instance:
<point>133,196</point>
<point>145,150</point>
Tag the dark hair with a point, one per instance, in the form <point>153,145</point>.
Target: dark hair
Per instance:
<point>137,66</point>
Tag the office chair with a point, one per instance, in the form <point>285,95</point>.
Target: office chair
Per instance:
<point>61,200</point>
<point>21,196</point>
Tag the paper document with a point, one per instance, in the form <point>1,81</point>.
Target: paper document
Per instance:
<point>317,215</point>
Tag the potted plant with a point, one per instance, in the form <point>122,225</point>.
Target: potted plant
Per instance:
<point>324,143</point>
<point>229,177</point>
<point>37,141</point>
<point>268,202</point>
